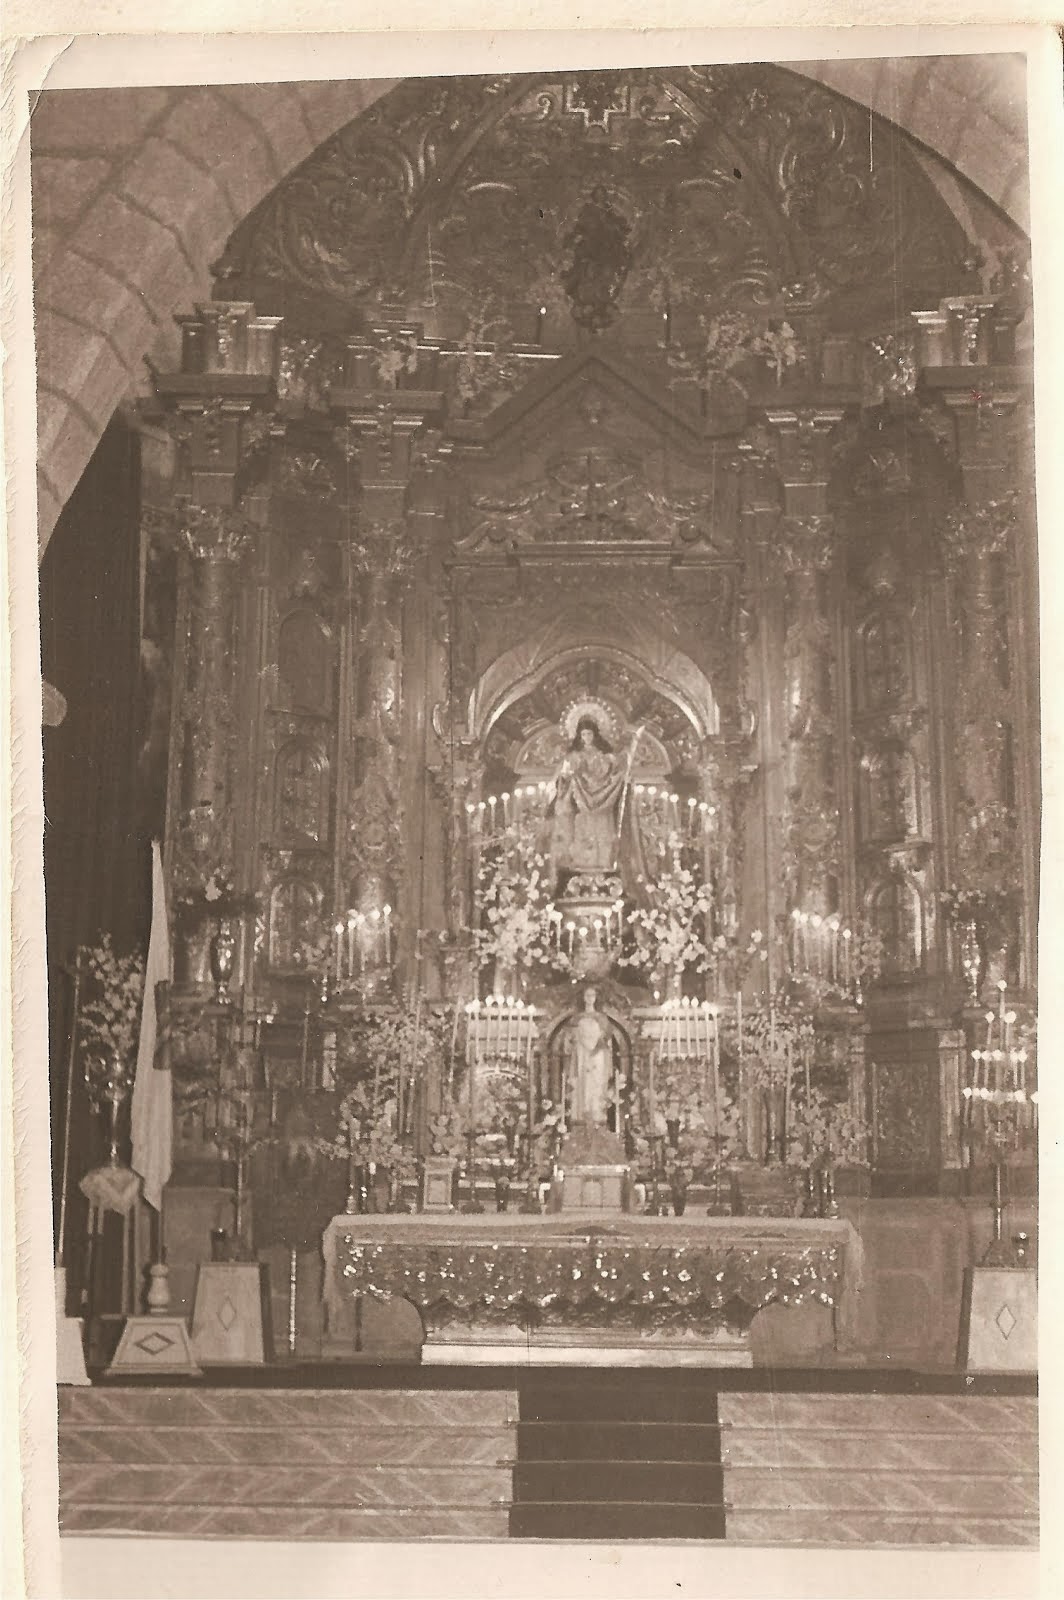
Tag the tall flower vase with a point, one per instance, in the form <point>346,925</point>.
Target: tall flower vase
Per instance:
<point>971,958</point>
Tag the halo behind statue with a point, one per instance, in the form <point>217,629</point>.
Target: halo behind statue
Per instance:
<point>596,711</point>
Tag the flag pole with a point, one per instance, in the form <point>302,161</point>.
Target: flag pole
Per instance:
<point>628,781</point>
<point>64,1182</point>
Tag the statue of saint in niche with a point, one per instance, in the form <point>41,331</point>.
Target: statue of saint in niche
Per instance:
<point>587,794</point>
<point>592,823</point>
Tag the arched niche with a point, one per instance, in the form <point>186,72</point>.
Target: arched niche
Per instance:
<point>644,653</point>
<point>305,662</point>
<point>894,906</point>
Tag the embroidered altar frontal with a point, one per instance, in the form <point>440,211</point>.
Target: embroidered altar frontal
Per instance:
<point>640,1290</point>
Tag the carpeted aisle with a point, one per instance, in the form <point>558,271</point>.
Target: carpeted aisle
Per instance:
<point>617,1455</point>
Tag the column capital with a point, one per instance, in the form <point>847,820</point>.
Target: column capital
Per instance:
<point>214,533</point>
<point>803,545</point>
<point>381,547</point>
<point>980,530</point>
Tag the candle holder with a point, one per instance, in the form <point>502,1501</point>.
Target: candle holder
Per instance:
<point>718,1206</point>
<point>472,1206</point>
<point>656,1205</point>
<point>530,1205</point>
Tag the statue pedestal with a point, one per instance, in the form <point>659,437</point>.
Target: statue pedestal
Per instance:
<point>596,1176</point>
<point>598,1188</point>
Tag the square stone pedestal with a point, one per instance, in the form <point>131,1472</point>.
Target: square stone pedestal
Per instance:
<point>595,1188</point>
<point>999,1320</point>
<point>230,1323</point>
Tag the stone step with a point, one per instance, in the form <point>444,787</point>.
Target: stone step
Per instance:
<point>283,1408</point>
<point>890,1493</point>
<point>283,1487</point>
<point>454,1522</point>
<point>349,1443</point>
<point>957,1415</point>
<point>635,1482</point>
<point>798,1448</point>
<point>806,1526</point>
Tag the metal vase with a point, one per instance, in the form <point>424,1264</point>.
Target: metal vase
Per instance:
<point>223,959</point>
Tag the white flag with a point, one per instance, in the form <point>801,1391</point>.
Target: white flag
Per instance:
<point>152,1110</point>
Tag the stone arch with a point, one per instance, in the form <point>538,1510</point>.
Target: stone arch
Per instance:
<point>135,193</point>
<point>518,671</point>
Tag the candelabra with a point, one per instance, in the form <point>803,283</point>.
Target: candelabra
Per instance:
<point>362,943</point>
<point>1000,1111</point>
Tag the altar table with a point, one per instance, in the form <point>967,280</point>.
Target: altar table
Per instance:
<point>581,1285</point>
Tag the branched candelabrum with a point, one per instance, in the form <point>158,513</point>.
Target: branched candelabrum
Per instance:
<point>1000,1110</point>
<point>237,1139</point>
<point>109,1081</point>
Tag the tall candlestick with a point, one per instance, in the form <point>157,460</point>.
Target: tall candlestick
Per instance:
<point>652,1103</point>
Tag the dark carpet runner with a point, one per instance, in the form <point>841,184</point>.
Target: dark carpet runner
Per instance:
<point>618,1455</point>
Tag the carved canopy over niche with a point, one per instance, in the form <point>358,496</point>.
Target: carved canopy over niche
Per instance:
<point>489,208</point>
<point>530,735</point>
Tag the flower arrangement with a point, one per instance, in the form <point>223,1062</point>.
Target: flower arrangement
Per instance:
<point>513,896</point>
<point>110,1017</point>
<point>826,1132</point>
<point>447,1133</point>
<point>778,1037</point>
<point>730,958</point>
<point>669,931</point>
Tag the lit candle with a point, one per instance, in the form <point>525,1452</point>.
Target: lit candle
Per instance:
<point>338,949</point>
<point>692,806</point>
<point>387,936</point>
<point>351,920</point>
<point>786,1102</point>
<point>492,803</point>
<point>506,810</point>
<point>847,937</point>
<point>570,928</point>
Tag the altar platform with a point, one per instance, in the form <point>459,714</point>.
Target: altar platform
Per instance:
<point>591,1288</point>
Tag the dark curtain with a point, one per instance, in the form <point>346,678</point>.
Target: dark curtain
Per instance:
<point>97,837</point>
